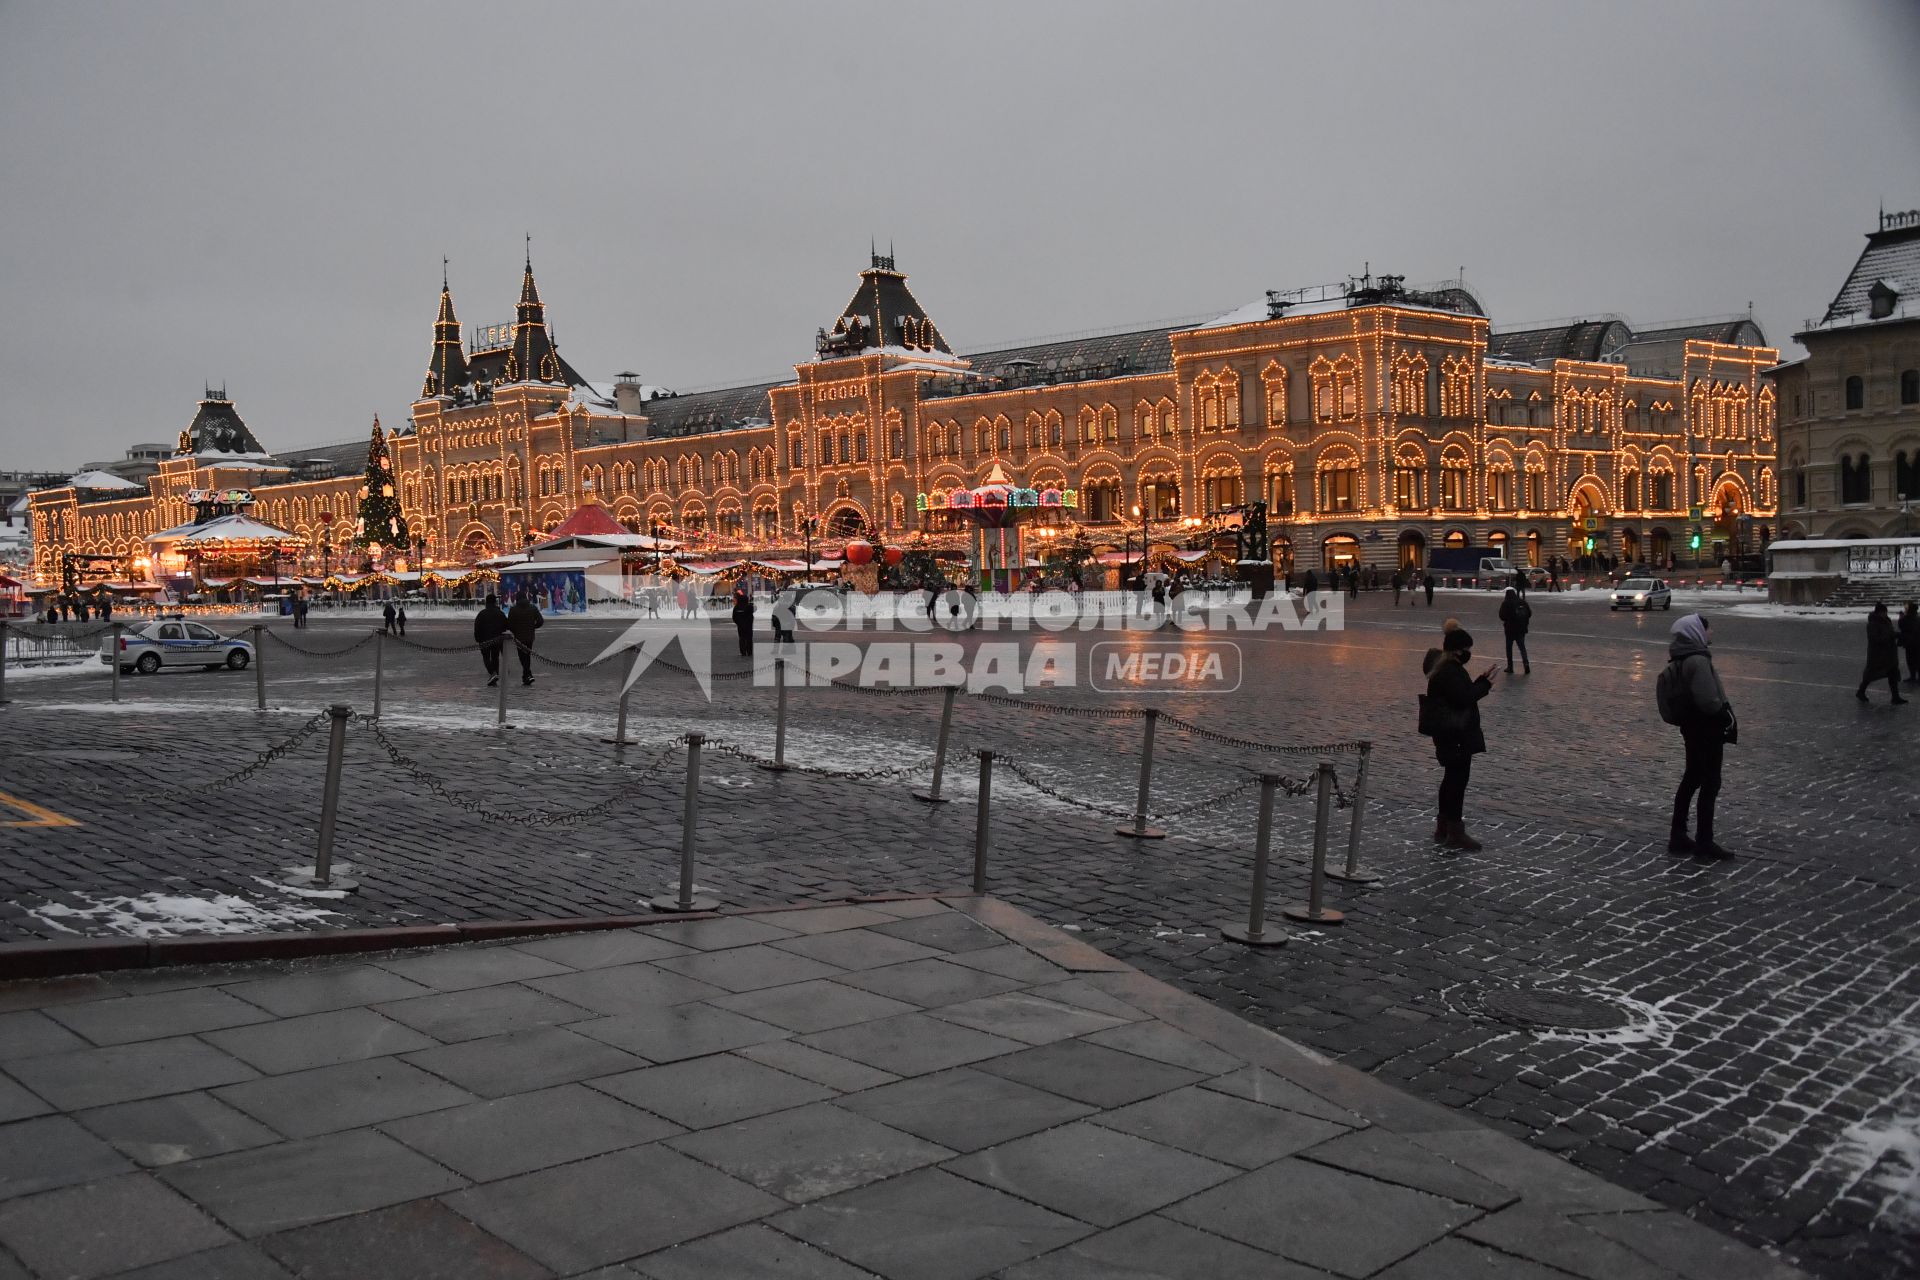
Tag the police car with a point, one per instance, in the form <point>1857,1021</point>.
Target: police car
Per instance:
<point>175,642</point>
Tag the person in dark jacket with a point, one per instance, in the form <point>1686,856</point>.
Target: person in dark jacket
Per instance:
<point>400,619</point>
<point>1399,585</point>
<point>488,626</point>
<point>523,620</point>
<point>1426,584</point>
<point>743,620</point>
<point>1312,583</point>
<point>1458,697</point>
<point>1515,616</point>
<point>1910,640</point>
<point>386,615</point>
<point>1704,718</point>
<point>1883,655</point>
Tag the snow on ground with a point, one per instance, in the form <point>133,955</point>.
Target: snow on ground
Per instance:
<point>67,667</point>
<point>165,915</point>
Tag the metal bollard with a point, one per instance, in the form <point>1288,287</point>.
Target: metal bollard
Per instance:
<point>322,877</point>
<point>114,665</point>
<point>379,663</point>
<point>932,794</point>
<point>982,813</point>
<point>259,671</point>
<point>1140,830</point>
<point>500,716</point>
<point>686,899</point>
<point>1355,873</point>
<point>620,738</point>
<point>1255,933</point>
<point>779,764</point>
<point>1311,911</point>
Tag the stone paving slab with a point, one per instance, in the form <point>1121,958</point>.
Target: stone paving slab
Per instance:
<point>1135,1131</point>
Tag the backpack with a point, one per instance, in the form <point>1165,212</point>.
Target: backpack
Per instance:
<point>1671,694</point>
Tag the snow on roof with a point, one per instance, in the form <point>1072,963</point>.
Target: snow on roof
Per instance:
<point>1258,312</point>
<point>103,480</point>
<point>224,529</point>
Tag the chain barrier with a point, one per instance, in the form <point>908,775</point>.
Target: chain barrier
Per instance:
<point>556,662</point>
<point>1214,735</point>
<point>626,797</point>
<point>711,675</point>
<point>1058,708</point>
<point>162,789</point>
<point>741,753</point>
<point>438,648</point>
<point>361,643</point>
<point>1290,785</point>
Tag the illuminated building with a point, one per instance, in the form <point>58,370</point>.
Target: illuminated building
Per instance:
<point>1376,421</point>
<point>1850,410</point>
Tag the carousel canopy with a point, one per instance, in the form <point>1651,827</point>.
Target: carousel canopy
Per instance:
<point>223,529</point>
<point>591,516</point>
<point>104,480</point>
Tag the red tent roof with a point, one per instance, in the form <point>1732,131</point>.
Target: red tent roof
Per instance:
<point>589,517</point>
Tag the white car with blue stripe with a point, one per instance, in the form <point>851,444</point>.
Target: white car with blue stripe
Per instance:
<point>175,642</point>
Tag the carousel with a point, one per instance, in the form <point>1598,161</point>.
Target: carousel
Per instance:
<point>224,550</point>
<point>993,513</point>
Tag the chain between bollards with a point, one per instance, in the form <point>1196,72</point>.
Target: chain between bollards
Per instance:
<point>982,814</point>
<point>932,794</point>
<point>1140,830</point>
<point>1312,911</point>
<point>322,877</point>
<point>779,762</point>
<point>259,670</point>
<point>686,899</point>
<point>1354,872</point>
<point>1255,934</point>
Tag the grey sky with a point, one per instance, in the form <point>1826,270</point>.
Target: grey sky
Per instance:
<point>260,193</point>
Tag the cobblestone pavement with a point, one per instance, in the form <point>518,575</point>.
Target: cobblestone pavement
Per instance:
<point>898,1088</point>
<point>1751,1042</point>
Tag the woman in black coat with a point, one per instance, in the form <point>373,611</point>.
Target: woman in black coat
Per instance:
<point>743,620</point>
<point>1455,696</point>
<point>1883,656</point>
<point>1910,640</point>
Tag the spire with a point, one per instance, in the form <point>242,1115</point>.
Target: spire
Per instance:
<point>533,358</point>
<point>447,366</point>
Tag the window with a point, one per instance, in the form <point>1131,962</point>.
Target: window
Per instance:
<point>1453,485</point>
<point>1856,392</point>
<point>896,443</point>
<point>1280,492</point>
<point>1222,491</point>
<point>1799,488</point>
<point>1500,488</point>
<point>1856,480</point>
<point>1910,386</point>
<point>1339,486</point>
<point>1663,490</point>
<point>1630,490</point>
<point>1906,475</point>
<point>1410,385</point>
<point>1406,487</point>
<point>1536,490</point>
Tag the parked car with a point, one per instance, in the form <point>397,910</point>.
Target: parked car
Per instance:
<point>1641,593</point>
<point>174,642</point>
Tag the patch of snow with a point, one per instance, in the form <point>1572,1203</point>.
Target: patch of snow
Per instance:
<point>165,915</point>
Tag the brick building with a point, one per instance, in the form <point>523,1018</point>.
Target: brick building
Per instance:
<point>1377,421</point>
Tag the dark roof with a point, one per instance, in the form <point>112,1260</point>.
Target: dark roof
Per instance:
<point>1109,355</point>
<point>347,458</point>
<point>1893,255</point>
<point>1581,340</point>
<point>882,313</point>
<point>218,426</point>
<point>447,366</point>
<point>698,412</point>
<point>1740,331</point>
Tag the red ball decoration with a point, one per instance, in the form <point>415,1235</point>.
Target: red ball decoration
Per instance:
<point>893,555</point>
<point>859,552</point>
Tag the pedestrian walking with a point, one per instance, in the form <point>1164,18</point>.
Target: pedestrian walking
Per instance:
<point>489,625</point>
<point>1910,640</point>
<point>1399,583</point>
<point>1690,697</point>
<point>1311,583</point>
<point>1450,715</point>
<point>386,616</point>
<point>743,620</point>
<point>1883,658</point>
<point>1515,615</point>
<point>400,618</point>
<point>1426,584</point>
<point>523,620</point>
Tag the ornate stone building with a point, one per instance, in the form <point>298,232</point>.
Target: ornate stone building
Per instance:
<point>1377,421</point>
<point>1850,410</point>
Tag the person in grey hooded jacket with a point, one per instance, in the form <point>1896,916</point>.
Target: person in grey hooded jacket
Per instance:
<point>1705,716</point>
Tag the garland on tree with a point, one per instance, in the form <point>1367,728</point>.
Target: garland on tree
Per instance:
<point>381,522</point>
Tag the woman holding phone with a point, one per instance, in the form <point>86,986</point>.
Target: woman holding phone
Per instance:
<point>1454,705</point>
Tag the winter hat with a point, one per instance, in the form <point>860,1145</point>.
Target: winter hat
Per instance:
<point>1691,627</point>
<point>1450,626</point>
<point>1457,639</point>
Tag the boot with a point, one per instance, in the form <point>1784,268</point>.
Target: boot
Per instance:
<point>1712,852</point>
<point>1440,829</point>
<point>1457,837</point>
<point>1678,841</point>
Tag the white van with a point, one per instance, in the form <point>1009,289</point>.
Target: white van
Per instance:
<point>1496,571</point>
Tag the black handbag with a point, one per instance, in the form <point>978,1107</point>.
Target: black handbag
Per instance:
<point>1438,720</point>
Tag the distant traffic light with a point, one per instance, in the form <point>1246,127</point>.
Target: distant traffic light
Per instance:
<point>1694,541</point>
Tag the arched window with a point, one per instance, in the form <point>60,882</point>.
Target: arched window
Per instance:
<point>1856,480</point>
<point>1273,384</point>
<point>1856,392</point>
<point>1456,387</point>
<point>1410,385</point>
<point>1906,475</point>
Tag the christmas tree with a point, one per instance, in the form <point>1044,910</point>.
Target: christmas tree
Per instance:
<point>381,523</point>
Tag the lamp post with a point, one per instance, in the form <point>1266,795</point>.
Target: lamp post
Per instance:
<point>808,527</point>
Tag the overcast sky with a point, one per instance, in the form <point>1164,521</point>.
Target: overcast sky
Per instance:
<point>259,194</point>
